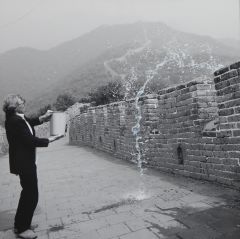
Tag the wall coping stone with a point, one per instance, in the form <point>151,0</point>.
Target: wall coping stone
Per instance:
<point>223,70</point>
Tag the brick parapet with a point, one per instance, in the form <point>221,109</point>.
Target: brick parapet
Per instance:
<point>190,129</point>
<point>227,84</point>
<point>3,141</point>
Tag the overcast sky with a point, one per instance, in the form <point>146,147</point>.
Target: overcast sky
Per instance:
<point>43,24</point>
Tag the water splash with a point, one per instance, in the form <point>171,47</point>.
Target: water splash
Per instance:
<point>129,82</point>
<point>184,59</point>
<point>137,127</point>
<point>138,195</point>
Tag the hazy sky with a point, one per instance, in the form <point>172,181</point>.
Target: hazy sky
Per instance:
<point>45,23</point>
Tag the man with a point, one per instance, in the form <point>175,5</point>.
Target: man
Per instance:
<point>22,156</point>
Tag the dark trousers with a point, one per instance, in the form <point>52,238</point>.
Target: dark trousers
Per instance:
<point>27,202</point>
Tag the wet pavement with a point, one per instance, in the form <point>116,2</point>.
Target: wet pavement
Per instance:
<point>86,194</point>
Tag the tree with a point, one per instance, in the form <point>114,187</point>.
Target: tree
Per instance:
<point>84,100</point>
<point>106,94</point>
<point>64,101</point>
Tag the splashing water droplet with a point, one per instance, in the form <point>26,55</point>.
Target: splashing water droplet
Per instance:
<point>137,127</point>
<point>140,194</point>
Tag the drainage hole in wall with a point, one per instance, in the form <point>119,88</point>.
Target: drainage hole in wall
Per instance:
<point>180,155</point>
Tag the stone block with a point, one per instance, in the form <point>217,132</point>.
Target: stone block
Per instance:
<point>234,80</point>
<point>236,133</point>
<point>234,154</point>
<point>231,161</point>
<point>209,134</point>
<point>227,126</point>
<point>221,71</point>
<point>228,90</point>
<point>226,112</point>
<point>222,85</point>
<point>234,118</point>
<point>204,87</point>
<point>235,65</point>
<point>228,75</point>
<point>232,103</point>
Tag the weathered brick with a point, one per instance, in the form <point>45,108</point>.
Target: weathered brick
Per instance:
<point>217,79</point>
<point>233,140</point>
<point>192,83</point>
<point>228,90</point>
<point>234,80</point>
<point>232,103</point>
<point>235,65</point>
<point>222,85</point>
<point>230,161</point>
<point>237,110</point>
<point>224,180</point>
<point>209,134</point>
<point>229,75</point>
<point>236,133</point>
<point>226,112</point>
<point>224,133</point>
<point>204,87</point>
<point>214,160</point>
<point>179,87</point>
<point>234,154</point>
<point>235,95</point>
<point>221,71</point>
<point>169,90</point>
<point>234,118</point>
<point>227,126</point>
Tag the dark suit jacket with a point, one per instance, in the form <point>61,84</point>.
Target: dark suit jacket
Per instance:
<point>22,144</point>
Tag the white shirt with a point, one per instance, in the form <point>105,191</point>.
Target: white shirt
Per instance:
<point>22,116</point>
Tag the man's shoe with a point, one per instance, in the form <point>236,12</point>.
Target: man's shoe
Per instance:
<point>32,227</point>
<point>28,234</point>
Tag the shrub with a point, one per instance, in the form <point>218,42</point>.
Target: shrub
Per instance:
<point>106,94</point>
<point>44,109</point>
<point>64,101</point>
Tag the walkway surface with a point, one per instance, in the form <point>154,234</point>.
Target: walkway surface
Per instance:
<point>85,194</point>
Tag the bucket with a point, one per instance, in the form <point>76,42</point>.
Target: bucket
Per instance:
<point>58,123</point>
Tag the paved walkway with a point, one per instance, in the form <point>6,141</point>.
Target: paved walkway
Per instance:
<point>85,194</point>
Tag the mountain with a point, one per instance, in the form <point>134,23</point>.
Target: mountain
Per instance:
<point>234,43</point>
<point>128,52</point>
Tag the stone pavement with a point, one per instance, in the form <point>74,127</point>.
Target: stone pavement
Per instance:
<point>85,194</point>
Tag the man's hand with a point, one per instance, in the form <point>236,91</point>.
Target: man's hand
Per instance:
<point>55,137</point>
<point>46,117</point>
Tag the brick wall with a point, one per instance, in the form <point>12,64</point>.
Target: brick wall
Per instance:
<point>190,129</point>
<point>3,141</point>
